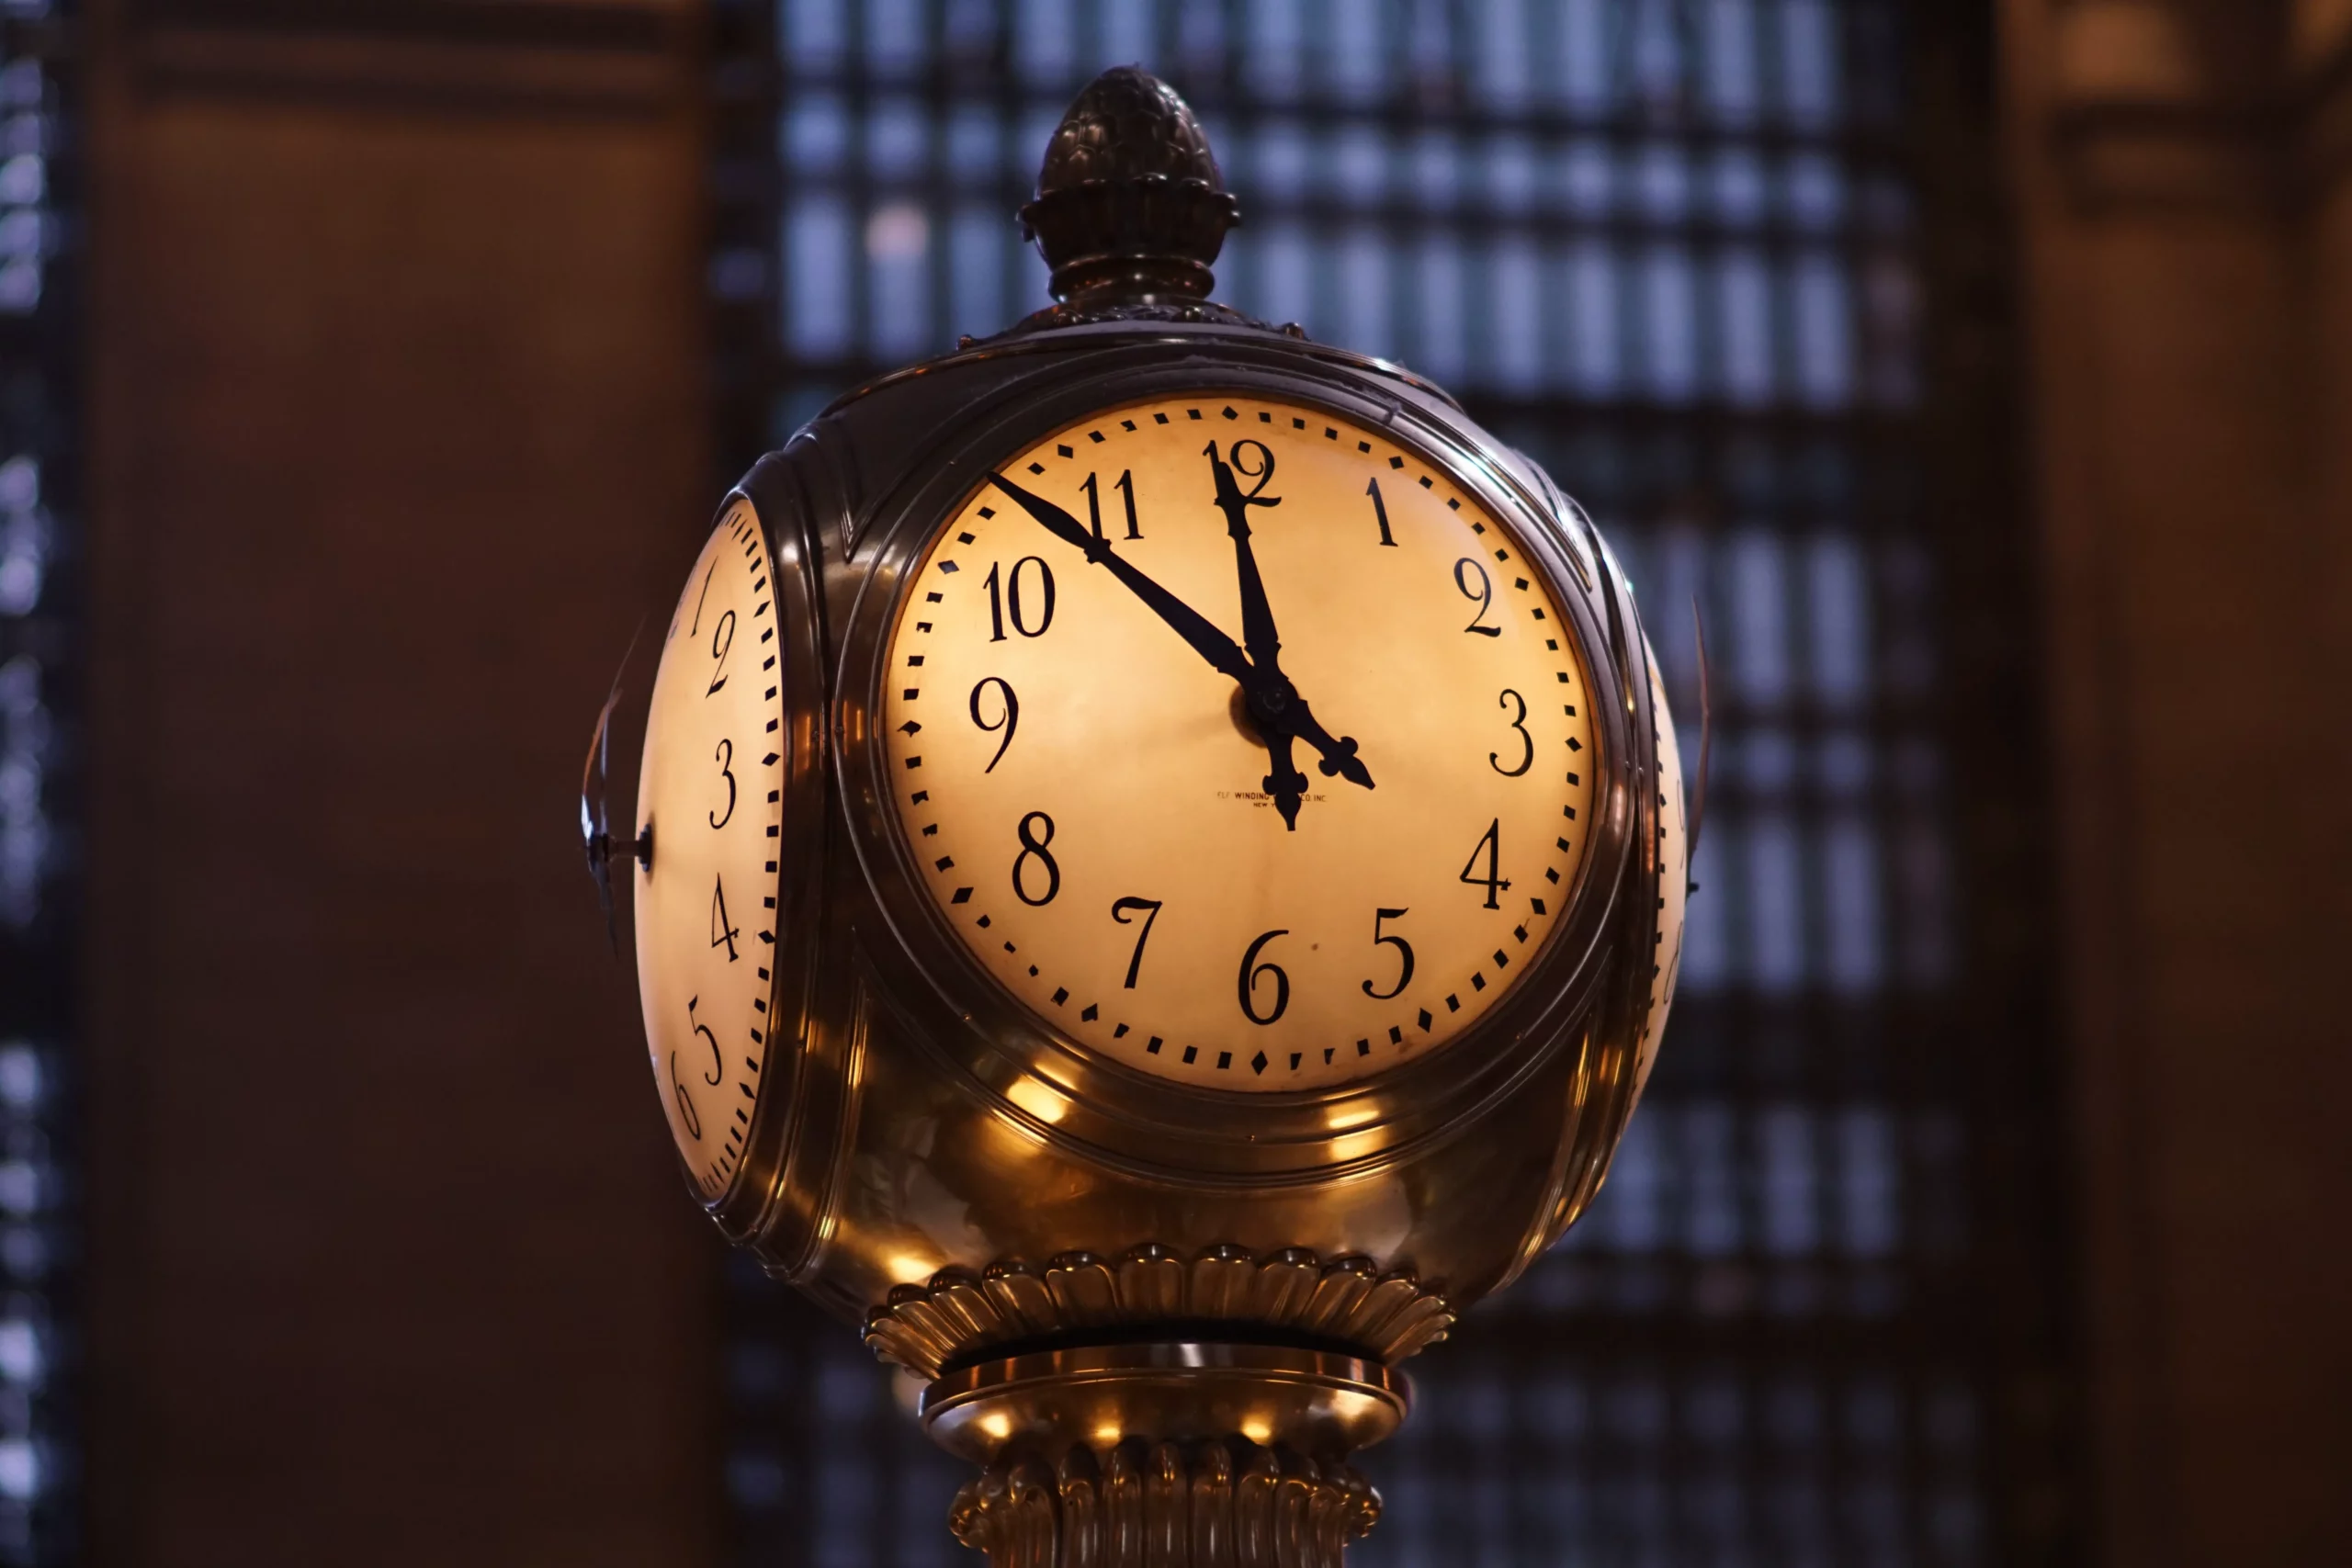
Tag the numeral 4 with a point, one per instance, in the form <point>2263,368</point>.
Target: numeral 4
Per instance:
<point>722,934</point>
<point>1491,847</point>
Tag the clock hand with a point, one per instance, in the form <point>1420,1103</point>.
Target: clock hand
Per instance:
<point>1284,782</point>
<point>1274,703</point>
<point>1256,618</point>
<point>1195,628</point>
<point>1273,700</point>
<point>1339,758</point>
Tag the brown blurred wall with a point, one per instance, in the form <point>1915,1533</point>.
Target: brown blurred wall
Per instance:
<point>2181,177</point>
<point>399,426</point>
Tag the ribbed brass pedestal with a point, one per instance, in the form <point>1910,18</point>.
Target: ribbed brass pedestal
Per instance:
<point>1172,1455</point>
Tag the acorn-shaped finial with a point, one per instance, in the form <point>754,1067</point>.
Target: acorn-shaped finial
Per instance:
<point>1130,205</point>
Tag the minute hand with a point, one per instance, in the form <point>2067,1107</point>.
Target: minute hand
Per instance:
<point>1258,633</point>
<point>1339,758</point>
<point>1222,652</point>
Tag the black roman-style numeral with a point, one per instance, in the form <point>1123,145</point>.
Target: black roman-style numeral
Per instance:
<point>1491,847</point>
<point>722,933</point>
<point>1125,486</point>
<point>1380,513</point>
<point>1004,594</point>
<point>1119,913</point>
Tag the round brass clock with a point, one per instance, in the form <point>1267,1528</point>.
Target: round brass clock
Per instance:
<point>1159,863</point>
<point>1237,743</point>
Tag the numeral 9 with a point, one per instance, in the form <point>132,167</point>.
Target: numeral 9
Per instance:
<point>1008,722</point>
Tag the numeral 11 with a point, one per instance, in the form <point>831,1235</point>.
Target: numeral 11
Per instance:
<point>1125,486</point>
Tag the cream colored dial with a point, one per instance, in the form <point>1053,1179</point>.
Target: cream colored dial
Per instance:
<point>1238,742</point>
<point>711,791</point>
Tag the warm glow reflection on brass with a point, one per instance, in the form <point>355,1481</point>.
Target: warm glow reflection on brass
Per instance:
<point>1039,1099</point>
<point>912,1268</point>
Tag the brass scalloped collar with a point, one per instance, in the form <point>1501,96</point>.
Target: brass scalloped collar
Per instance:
<point>1348,1300</point>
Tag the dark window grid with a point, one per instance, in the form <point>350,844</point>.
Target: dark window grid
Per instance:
<point>1645,1456</point>
<point>850,317</point>
<point>40,781</point>
<point>1492,223</point>
<point>1023,114</point>
<point>1805,62</point>
<point>1763,323</point>
<point>1018,101</point>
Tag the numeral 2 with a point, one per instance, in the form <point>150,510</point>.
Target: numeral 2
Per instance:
<point>1484,594</point>
<point>722,638</point>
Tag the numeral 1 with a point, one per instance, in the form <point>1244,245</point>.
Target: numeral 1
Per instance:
<point>1380,511</point>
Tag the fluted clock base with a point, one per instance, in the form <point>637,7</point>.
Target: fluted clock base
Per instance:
<point>1230,1504</point>
<point>1171,1455</point>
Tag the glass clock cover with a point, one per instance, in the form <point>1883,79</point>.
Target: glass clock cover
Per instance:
<point>1239,742</point>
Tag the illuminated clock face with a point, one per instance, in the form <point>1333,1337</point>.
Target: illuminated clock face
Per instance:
<point>1238,742</point>
<point>711,790</point>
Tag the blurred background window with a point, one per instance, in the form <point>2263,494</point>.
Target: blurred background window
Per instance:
<point>40,642</point>
<point>1674,249</point>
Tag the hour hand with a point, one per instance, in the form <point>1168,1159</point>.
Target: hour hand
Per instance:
<point>1283,780</point>
<point>1222,652</point>
<point>1339,758</point>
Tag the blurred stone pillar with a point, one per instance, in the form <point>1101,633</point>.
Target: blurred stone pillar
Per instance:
<point>2187,247</point>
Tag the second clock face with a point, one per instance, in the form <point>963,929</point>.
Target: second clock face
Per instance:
<point>710,796</point>
<point>1239,743</point>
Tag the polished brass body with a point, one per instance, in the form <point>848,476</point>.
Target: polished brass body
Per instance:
<point>927,1123</point>
<point>1169,1300</point>
<point>932,1157</point>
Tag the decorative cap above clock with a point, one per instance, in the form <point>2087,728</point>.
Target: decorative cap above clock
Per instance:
<point>1130,205</point>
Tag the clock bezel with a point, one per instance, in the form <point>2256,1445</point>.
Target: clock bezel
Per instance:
<point>1060,1088</point>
